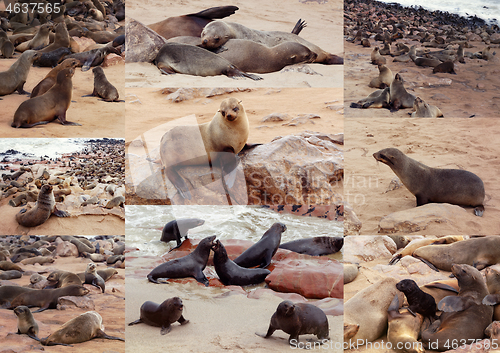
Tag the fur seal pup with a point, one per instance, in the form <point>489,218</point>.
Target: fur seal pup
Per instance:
<point>103,88</point>
<point>181,146</point>
<point>93,278</point>
<point>51,78</point>
<point>399,97</point>
<point>45,206</point>
<point>162,315</point>
<point>230,274</point>
<point>46,298</point>
<point>191,265</point>
<point>316,246</point>
<point>465,318</point>
<point>82,328</point>
<point>191,60</point>
<point>261,253</point>
<point>429,185</point>
<point>379,99</point>
<point>14,78</point>
<point>49,106</point>
<point>52,58</point>
<point>217,33</point>
<point>12,274</point>
<point>59,279</point>
<point>424,110</point>
<point>298,319</point>
<point>384,78</point>
<point>178,229</point>
<point>26,322</point>
<point>418,301</point>
<point>447,67</point>
<point>191,24</point>
<point>403,329</point>
<point>376,58</point>
<point>250,56</point>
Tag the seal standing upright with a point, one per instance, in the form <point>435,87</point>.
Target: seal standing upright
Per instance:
<point>51,78</point>
<point>93,278</point>
<point>163,315</point>
<point>15,77</point>
<point>26,322</point>
<point>399,97</point>
<point>103,88</point>
<point>455,186</point>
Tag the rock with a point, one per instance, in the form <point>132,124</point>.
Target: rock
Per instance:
<point>352,224</point>
<point>259,292</point>
<point>112,59</point>
<point>495,38</point>
<point>274,117</point>
<point>351,271</point>
<point>368,248</point>
<point>79,302</point>
<point>66,249</point>
<point>83,43</point>
<point>418,218</point>
<point>142,44</point>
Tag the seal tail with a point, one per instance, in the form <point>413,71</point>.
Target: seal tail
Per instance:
<point>299,26</point>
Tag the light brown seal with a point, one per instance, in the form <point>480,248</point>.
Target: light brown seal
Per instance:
<point>434,185</point>
<point>217,33</point>
<point>378,99</point>
<point>49,106</point>
<point>418,243</point>
<point>424,110</point>
<point>103,88</point>
<point>60,279</point>
<point>384,78</point>
<point>399,97</point>
<point>79,329</point>
<point>46,298</point>
<point>447,67</point>
<point>61,39</point>
<point>162,315</point>
<point>26,322</point>
<point>93,278</point>
<point>403,329</point>
<point>51,78</point>
<point>14,78</point>
<point>492,276</point>
<point>376,58</point>
<point>182,146</point>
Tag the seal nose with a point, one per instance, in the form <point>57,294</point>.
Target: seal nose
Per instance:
<point>205,41</point>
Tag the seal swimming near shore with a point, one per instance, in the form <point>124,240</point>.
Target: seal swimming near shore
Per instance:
<point>162,315</point>
<point>103,88</point>
<point>44,208</point>
<point>424,110</point>
<point>26,322</point>
<point>82,328</point>
<point>191,60</point>
<point>178,229</point>
<point>261,253</point>
<point>46,298</point>
<point>400,98</point>
<point>298,319</point>
<point>217,33</point>
<point>51,78</point>
<point>403,329</point>
<point>434,185</point>
<point>15,77</point>
<point>231,274</point>
<point>191,265</point>
<point>316,246</point>
<point>182,146</point>
<point>93,278</point>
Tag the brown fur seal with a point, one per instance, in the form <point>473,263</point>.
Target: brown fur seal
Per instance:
<point>424,110</point>
<point>192,24</point>
<point>61,39</point>
<point>418,301</point>
<point>298,319</point>
<point>46,298</point>
<point>103,88</point>
<point>51,78</point>
<point>418,243</point>
<point>316,246</point>
<point>465,318</point>
<point>403,329</point>
<point>447,67</point>
<point>163,315</point>
<point>59,279</point>
<point>45,206</point>
<point>52,58</point>
<point>190,60</point>
<point>399,97</point>
<point>49,106</point>
<point>79,329</point>
<point>376,58</point>
<point>26,322</point>
<point>9,293</point>
<point>12,274</point>
<point>379,99</point>
<point>93,278</point>
<point>7,266</point>
<point>429,185</point>
<point>217,33</point>
<point>425,62</point>
<point>384,78</point>
<point>250,56</point>
<point>14,78</point>
<point>182,146</point>
<point>178,229</point>
<point>41,38</point>
<point>105,274</point>
<point>37,260</point>
<point>493,283</point>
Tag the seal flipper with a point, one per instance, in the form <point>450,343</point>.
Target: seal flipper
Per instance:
<point>441,286</point>
<point>299,26</point>
<point>59,213</point>
<point>31,333</point>
<point>216,12</point>
<point>166,329</point>
<point>491,299</point>
<point>479,210</point>
<point>395,259</point>
<point>426,262</point>
<point>101,334</point>
<point>63,121</point>
<point>200,277</point>
<point>182,320</point>
<point>178,182</point>
<point>139,321</point>
<point>453,303</point>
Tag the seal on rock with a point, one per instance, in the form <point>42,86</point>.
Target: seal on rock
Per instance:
<point>26,322</point>
<point>429,185</point>
<point>418,301</point>
<point>162,315</point>
<point>15,77</point>
<point>178,229</point>
<point>316,246</point>
<point>403,329</point>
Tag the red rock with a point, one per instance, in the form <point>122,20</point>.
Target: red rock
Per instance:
<point>112,59</point>
<point>66,249</point>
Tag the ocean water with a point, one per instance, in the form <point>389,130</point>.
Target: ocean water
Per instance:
<point>144,224</point>
<point>488,10</point>
<point>38,147</point>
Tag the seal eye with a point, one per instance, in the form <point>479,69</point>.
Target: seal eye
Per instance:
<point>223,113</point>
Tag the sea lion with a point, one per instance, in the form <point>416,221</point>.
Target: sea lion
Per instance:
<point>103,88</point>
<point>178,228</point>
<point>105,274</point>
<point>181,146</point>
<point>230,274</point>
<point>418,301</point>
<point>403,329</point>
<point>162,315</point>
<point>93,57</point>
<point>116,201</point>
<point>46,298</point>
<point>478,252</point>
<point>37,260</point>
<point>51,78</point>
<point>60,279</point>
<point>93,278</point>
<point>14,78</point>
<point>191,265</point>
<point>465,317</point>
<point>12,274</point>
<point>376,58</point>
<point>316,246</point>
<point>61,38</point>
<point>379,99</point>
<point>44,208</point>
<point>191,24</point>
<point>424,110</point>
<point>493,283</point>
<point>298,319</point>
<point>429,185</point>
<point>7,49</point>
<point>418,243</point>
<point>41,38</point>
<point>261,252</point>
<point>26,322</point>
<point>79,329</point>
<point>52,58</point>
<point>250,56</point>
<point>399,97</point>
<point>191,60</point>
<point>217,33</point>
<point>425,62</point>
<point>447,67</point>
<point>9,293</point>
<point>7,266</point>
<point>49,106</point>
<point>384,78</point>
